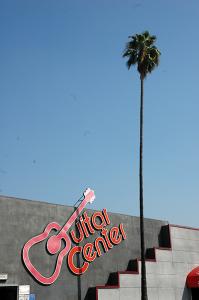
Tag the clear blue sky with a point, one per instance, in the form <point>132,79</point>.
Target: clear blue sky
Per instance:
<point>70,108</point>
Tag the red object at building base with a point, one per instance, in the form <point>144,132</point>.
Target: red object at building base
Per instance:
<point>193,278</point>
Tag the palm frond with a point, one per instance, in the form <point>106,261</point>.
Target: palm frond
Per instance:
<point>131,61</point>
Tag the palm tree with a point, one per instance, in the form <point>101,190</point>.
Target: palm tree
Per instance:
<point>140,51</point>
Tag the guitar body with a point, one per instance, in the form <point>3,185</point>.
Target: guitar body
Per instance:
<point>52,245</point>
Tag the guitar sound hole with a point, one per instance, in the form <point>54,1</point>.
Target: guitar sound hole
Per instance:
<point>53,244</point>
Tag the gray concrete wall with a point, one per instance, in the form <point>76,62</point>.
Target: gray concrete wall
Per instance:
<point>20,220</point>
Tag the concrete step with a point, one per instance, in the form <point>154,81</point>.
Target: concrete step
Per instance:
<point>166,267</point>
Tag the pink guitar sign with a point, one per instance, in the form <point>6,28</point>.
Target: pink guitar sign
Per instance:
<point>54,242</point>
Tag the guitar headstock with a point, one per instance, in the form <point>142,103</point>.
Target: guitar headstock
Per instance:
<point>89,195</point>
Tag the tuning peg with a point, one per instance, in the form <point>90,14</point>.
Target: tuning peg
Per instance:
<point>87,191</point>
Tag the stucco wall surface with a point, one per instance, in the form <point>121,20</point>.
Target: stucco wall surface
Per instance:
<point>21,219</point>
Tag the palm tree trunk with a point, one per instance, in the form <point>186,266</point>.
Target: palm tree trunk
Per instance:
<point>142,241</point>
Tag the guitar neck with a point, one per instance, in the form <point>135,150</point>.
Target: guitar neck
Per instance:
<point>74,216</point>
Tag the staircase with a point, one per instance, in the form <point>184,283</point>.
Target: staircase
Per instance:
<point>167,267</point>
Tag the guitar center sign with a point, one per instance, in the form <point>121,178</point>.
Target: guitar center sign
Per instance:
<point>85,226</point>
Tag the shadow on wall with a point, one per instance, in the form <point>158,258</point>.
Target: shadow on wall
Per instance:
<point>91,294</point>
<point>186,294</point>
